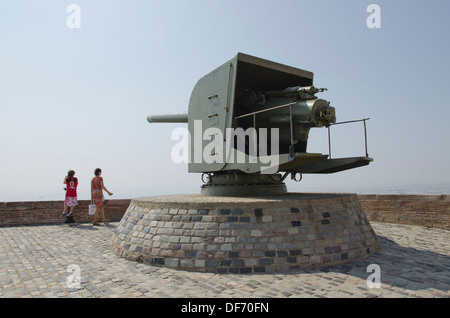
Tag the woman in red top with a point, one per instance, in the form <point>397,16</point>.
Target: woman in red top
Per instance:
<point>97,188</point>
<point>71,192</point>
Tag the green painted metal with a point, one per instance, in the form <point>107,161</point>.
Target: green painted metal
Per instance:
<point>249,97</point>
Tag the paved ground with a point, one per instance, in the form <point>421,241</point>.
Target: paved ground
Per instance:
<point>414,262</point>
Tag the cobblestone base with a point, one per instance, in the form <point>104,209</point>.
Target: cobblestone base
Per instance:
<point>242,235</point>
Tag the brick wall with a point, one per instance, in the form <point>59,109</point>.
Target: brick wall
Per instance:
<point>427,210</point>
<point>48,212</point>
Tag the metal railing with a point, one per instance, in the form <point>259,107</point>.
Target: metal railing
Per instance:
<point>291,126</point>
<point>347,122</point>
<point>291,122</point>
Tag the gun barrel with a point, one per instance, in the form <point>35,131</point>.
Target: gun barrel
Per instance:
<point>168,118</point>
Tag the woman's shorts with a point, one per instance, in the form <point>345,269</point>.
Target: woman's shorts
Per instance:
<point>71,201</point>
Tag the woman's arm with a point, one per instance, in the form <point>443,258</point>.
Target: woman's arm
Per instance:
<point>104,188</point>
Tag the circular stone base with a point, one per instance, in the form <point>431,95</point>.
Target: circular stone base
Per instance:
<point>245,235</point>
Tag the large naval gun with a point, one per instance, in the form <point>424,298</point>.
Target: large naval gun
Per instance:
<point>249,123</point>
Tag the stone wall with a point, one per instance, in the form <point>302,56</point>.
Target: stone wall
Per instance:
<point>431,211</point>
<point>48,212</point>
<point>426,210</point>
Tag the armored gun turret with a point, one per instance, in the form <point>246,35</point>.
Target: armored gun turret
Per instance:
<point>249,122</point>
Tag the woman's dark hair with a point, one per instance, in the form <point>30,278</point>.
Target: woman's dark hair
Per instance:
<point>71,173</point>
<point>97,171</point>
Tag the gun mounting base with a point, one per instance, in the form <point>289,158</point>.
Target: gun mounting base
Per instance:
<point>239,184</point>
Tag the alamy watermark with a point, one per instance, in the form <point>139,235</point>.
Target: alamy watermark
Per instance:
<point>251,144</point>
<point>374,19</point>
<point>374,279</point>
<point>73,21</point>
<point>74,279</point>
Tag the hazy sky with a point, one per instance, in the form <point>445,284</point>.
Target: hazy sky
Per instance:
<point>78,98</point>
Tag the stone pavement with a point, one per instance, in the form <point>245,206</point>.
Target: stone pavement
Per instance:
<point>34,260</point>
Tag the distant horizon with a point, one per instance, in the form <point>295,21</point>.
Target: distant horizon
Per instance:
<point>429,189</point>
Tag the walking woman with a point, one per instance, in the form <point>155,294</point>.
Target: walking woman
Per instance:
<point>97,188</point>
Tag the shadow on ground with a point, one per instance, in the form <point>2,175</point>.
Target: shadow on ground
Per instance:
<point>401,267</point>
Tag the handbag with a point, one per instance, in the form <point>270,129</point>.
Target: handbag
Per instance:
<point>92,208</point>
